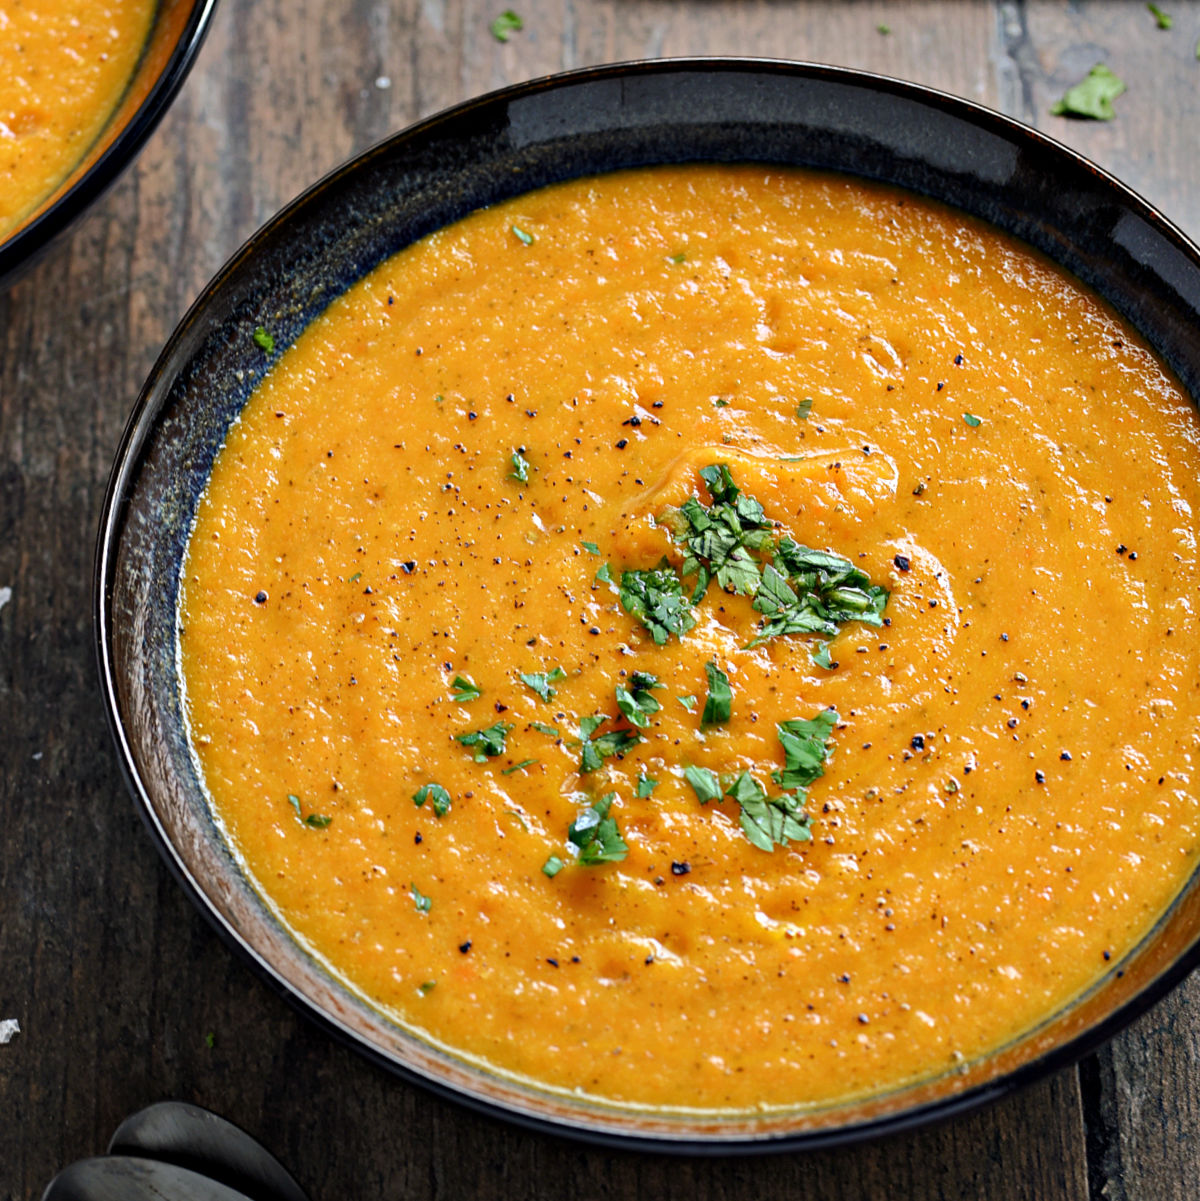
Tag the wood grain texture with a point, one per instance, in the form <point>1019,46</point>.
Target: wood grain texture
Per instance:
<point>116,981</point>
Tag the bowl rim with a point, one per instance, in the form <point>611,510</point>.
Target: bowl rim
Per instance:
<point>581,1127</point>
<point>25,247</point>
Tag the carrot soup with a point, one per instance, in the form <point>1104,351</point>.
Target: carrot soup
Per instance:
<point>707,638</point>
<point>64,66</point>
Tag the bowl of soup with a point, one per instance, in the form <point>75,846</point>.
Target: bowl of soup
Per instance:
<point>655,603</point>
<point>82,86</point>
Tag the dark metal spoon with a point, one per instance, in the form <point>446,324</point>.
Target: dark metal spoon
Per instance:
<point>173,1151</point>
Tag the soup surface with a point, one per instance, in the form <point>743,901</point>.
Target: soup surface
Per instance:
<point>64,65</point>
<point>516,704</point>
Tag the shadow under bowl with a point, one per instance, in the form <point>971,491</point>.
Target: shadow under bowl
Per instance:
<point>485,151</point>
<point>171,46</point>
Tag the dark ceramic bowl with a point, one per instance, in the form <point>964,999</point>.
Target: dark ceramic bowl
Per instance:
<point>175,36</point>
<point>485,151</point>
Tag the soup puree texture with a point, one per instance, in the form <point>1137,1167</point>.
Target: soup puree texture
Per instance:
<point>64,66</point>
<point>438,488</point>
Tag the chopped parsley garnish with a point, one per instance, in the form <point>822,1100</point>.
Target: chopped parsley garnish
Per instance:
<point>590,547</point>
<point>508,771</point>
<point>486,743</point>
<point>636,702</point>
<point>1161,19</point>
<point>520,468</point>
<point>465,689</point>
<point>544,729</point>
<point>677,258</point>
<point>435,793</point>
<point>688,702</point>
<point>805,749</point>
<point>508,22</point>
<point>264,341</point>
<point>973,421</point>
<point>552,866</point>
<point>704,782</point>
<point>604,575</point>
<point>523,236</point>
<point>721,403</point>
<point>315,821</point>
<point>540,681</point>
<point>821,657</point>
<point>804,408</point>
<point>595,750</point>
<point>1093,97</point>
<point>769,821</point>
<point>423,903</point>
<point>719,706</point>
<point>426,987</point>
<point>355,577</point>
<point>645,785</point>
<point>656,598</point>
<point>596,834</point>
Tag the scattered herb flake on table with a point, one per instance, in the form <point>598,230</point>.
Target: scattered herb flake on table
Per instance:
<point>506,24</point>
<point>1093,97</point>
<point>1161,19</point>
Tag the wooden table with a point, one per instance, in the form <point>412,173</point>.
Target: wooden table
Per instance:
<point>123,994</point>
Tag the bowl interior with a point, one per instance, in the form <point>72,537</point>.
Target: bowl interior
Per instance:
<point>474,155</point>
<point>174,38</point>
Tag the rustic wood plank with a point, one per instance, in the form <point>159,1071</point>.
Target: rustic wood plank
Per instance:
<point>116,981</point>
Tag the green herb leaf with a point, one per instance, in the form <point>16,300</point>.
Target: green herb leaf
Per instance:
<point>355,577</point>
<point>721,403</point>
<point>636,702</point>
<point>804,408</point>
<point>973,421</point>
<point>656,598</point>
<point>805,749</point>
<point>264,341</point>
<point>520,468</point>
<point>769,821</point>
<point>315,821</point>
<point>1162,20</point>
<point>465,689</point>
<point>604,575</point>
<point>704,782</point>
<point>594,751</point>
<point>423,903</point>
<point>210,1040</point>
<point>523,236</point>
<point>543,729</point>
<point>553,866</point>
<point>645,785</point>
<point>435,793</point>
<point>883,29</point>
<point>688,702</point>
<point>540,681</point>
<point>505,24</point>
<point>508,771</point>
<point>590,547</point>
<point>1093,97</point>
<point>486,743</point>
<point>821,657</point>
<point>426,987</point>
<point>596,834</point>
<point>719,706</point>
<point>677,257</point>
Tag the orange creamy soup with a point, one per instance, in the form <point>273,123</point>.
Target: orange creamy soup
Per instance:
<point>64,65</point>
<point>708,638</point>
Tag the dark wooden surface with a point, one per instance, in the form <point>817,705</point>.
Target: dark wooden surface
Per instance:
<point>115,981</point>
